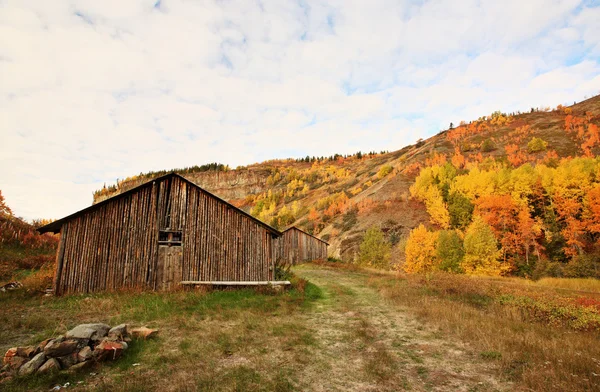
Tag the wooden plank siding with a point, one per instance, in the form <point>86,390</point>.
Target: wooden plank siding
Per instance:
<point>296,246</point>
<point>114,244</point>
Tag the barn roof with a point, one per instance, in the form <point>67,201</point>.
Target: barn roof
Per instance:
<point>294,227</point>
<point>55,226</point>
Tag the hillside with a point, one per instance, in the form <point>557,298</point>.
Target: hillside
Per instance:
<point>22,248</point>
<point>339,197</point>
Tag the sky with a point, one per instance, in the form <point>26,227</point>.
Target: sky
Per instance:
<point>92,91</point>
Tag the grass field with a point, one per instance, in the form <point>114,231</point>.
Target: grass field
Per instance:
<point>542,335</point>
<point>200,340</point>
<point>348,329</point>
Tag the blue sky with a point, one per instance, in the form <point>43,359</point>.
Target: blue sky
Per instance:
<point>94,91</point>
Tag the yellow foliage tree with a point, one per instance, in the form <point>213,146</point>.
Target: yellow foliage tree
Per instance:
<point>481,250</point>
<point>421,250</point>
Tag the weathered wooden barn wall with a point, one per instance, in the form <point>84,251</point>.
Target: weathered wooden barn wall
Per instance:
<point>296,246</point>
<point>115,244</point>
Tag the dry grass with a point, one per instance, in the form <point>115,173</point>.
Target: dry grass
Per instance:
<point>586,285</point>
<point>535,355</point>
<point>579,284</point>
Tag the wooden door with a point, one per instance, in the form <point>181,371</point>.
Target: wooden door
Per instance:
<point>170,273</point>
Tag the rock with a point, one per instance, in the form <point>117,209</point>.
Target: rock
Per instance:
<point>109,350</point>
<point>17,362</point>
<point>58,349</point>
<point>88,331</point>
<point>85,354</point>
<point>51,365</point>
<point>33,365</point>
<point>143,332</point>
<point>81,366</point>
<point>26,352</point>
<point>68,360</point>
<point>43,344</point>
<point>11,286</point>
<point>119,332</point>
<point>9,355</point>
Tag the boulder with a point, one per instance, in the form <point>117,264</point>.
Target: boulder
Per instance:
<point>68,360</point>
<point>88,331</point>
<point>58,349</point>
<point>51,365</point>
<point>9,355</point>
<point>119,332</point>
<point>109,350</point>
<point>143,333</point>
<point>26,352</point>
<point>33,365</point>
<point>17,362</point>
<point>43,344</point>
<point>85,354</point>
<point>81,366</point>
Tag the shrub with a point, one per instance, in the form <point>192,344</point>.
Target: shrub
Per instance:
<point>488,146</point>
<point>384,171</point>
<point>375,251</point>
<point>583,266</point>
<point>536,145</point>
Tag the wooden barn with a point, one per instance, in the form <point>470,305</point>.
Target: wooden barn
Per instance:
<point>159,234</point>
<point>297,246</point>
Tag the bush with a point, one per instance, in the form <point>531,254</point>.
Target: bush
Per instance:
<point>466,147</point>
<point>536,145</point>
<point>545,268</point>
<point>583,266</point>
<point>384,171</point>
<point>488,146</point>
<point>375,251</point>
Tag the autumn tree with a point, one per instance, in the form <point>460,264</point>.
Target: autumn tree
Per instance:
<point>500,213</point>
<point>536,145</point>
<point>592,210</point>
<point>481,250</point>
<point>375,250</point>
<point>431,186</point>
<point>450,251</point>
<point>460,210</point>
<point>421,250</point>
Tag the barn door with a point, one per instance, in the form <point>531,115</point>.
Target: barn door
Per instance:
<point>169,272</point>
<point>169,267</point>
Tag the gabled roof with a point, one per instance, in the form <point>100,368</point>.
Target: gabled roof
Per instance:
<point>55,226</point>
<point>295,228</point>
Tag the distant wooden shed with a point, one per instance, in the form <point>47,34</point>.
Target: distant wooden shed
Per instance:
<point>159,234</point>
<point>297,246</point>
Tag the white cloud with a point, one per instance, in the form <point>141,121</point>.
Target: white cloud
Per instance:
<point>91,91</point>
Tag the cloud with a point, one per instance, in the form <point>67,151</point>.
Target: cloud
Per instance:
<point>93,91</point>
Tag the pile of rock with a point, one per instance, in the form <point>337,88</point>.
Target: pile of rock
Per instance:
<point>77,349</point>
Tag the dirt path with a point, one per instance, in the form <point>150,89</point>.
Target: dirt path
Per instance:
<point>364,344</point>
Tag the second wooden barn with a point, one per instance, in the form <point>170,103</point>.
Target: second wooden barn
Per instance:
<point>157,235</point>
<point>297,246</point>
